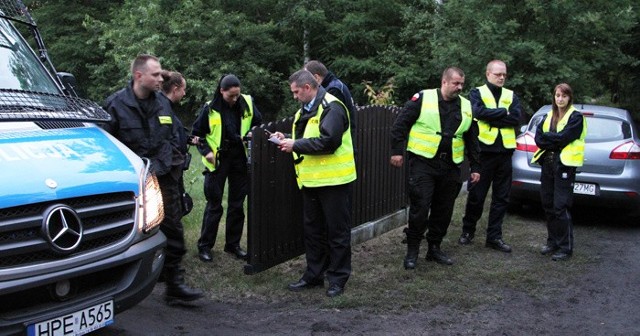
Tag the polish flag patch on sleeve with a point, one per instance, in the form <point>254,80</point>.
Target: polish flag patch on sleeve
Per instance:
<point>415,97</point>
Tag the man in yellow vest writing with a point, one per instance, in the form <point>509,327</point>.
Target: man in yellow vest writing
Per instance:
<point>436,127</point>
<point>323,154</point>
<point>497,111</point>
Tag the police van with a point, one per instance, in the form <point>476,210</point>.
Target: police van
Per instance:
<point>79,212</point>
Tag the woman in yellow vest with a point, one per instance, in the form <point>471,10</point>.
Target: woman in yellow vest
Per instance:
<point>560,139</point>
<point>222,123</point>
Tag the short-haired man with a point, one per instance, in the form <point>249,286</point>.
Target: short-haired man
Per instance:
<point>334,86</point>
<point>322,148</point>
<point>436,128</point>
<point>142,120</point>
<point>497,111</point>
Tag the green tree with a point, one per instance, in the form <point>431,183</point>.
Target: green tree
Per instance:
<point>628,81</point>
<point>591,44</point>
<point>543,43</point>
<point>71,47</point>
<point>201,40</point>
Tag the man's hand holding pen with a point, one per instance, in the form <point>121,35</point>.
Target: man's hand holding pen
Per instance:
<point>286,145</point>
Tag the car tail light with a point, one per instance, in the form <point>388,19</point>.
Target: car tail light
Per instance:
<point>627,151</point>
<point>526,143</point>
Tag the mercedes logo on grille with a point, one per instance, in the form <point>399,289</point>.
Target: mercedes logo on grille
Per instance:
<point>62,228</point>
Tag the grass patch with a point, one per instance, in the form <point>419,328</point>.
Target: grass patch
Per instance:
<point>380,283</point>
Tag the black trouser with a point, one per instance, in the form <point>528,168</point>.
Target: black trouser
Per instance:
<point>233,165</point>
<point>495,171</point>
<point>433,187</point>
<point>327,233</point>
<point>556,194</point>
<point>171,225</point>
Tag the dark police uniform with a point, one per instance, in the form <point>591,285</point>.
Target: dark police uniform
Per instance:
<point>495,160</point>
<point>321,134</point>
<point>433,183</point>
<point>146,127</point>
<point>182,137</point>
<point>232,164</point>
<point>558,175</point>
<point>338,89</point>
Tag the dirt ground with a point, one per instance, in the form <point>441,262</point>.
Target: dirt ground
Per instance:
<point>604,301</point>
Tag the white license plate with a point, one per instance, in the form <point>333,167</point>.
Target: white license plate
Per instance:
<point>78,323</point>
<point>584,188</point>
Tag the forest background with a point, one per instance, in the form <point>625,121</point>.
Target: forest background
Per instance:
<point>385,50</point>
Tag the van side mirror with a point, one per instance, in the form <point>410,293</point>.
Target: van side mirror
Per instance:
<point>69,83</point>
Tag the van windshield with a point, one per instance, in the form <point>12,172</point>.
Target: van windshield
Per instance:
<point>19,67</point>
<point>27,90</point>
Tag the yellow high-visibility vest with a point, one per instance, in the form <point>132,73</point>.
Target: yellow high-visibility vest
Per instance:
<point>214,138</point>
<point>488,134</point>
<point>325,169</point>
<point>424,137</point>
<point>572,155</point>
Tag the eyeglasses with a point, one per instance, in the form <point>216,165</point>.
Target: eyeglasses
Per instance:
<point>500,74</point>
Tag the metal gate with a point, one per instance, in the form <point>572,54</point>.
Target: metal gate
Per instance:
<point>274,229</point>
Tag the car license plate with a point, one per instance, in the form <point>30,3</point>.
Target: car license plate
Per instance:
<point>78,323</point>
<point>584,188</point>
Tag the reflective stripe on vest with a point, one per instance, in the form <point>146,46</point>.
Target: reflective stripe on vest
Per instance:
<point>488,134</point>
<point>214,138</point>
<point>424,137</point>
<point>326,169</point>
<point>572,155</point>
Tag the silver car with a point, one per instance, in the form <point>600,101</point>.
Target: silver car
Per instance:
<point>610,175</point>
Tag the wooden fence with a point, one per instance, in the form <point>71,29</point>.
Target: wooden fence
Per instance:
<point>274,229</point>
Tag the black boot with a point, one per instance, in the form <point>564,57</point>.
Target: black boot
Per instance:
<point>435,254</point>
<point>411,259</point>
<point>177,291</point>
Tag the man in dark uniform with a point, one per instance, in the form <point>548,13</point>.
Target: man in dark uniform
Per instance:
<point>437,128</point>
<point>334,86</point>
<point>497,111</point>
<point>142,120</point>
<point>325,168</point>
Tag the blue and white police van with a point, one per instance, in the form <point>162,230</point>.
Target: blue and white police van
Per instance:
<point>79,212</point>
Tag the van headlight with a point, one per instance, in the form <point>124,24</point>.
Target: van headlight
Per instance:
<point>151,212</point>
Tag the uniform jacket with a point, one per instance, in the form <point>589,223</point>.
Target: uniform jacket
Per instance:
<point>333,124</point>
<point>230,119</point>
<point>410,113</point>
<point>495,117</point>
<point>147,133</point>
<point>340,90</point>
<point>554,141</point>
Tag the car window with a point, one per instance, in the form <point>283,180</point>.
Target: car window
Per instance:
<point>533,125</point>
<point>598,129</point>
<point>603,129</point>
